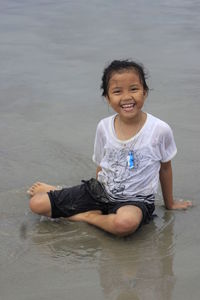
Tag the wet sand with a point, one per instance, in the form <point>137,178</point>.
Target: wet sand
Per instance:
<point>52,57</point>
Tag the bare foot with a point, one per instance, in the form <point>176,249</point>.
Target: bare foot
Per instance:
<point>85,216</point>
<point>40,187</point>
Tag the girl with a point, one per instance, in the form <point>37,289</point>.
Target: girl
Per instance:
<point>132,150</point>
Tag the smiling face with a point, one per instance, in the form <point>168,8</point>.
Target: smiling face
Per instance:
<point>126,94</point>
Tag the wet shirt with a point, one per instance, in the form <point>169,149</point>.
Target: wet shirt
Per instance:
<point>131,168</point>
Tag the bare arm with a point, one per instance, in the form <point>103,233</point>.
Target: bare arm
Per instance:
<point>166,180</point>
<point>97,171</point>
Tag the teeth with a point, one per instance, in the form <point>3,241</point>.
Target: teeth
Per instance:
<point>128,105</point>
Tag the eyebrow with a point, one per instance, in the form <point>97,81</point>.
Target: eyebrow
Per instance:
<point>116,88</point>
<point>119,87</point>
<point>134,85</point>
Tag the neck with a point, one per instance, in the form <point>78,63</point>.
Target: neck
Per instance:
<point>126,129</point>
<point>135,121</point>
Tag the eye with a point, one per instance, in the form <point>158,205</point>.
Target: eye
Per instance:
<point>133,89</point>
<point>116,92</point>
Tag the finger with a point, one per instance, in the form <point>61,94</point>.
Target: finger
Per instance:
<point>187,204</point>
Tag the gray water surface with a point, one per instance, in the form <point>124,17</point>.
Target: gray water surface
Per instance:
<point>52,56</point>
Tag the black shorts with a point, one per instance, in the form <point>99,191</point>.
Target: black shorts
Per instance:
<point>90,195</point>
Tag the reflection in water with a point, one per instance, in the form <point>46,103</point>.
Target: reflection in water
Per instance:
<point>66,241</point>
<point>141,267</point>
<point>138,267</point>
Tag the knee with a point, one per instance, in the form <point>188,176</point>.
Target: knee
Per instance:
<point>39,205</point>
<point>125,226</point>
<point>35,204</point>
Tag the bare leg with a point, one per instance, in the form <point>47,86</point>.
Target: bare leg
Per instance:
<point>124,222</point>
<point>39,202</point>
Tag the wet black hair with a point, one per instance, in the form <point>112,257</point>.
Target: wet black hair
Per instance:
<point>117,66</point>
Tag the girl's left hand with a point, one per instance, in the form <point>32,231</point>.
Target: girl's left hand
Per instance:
<point>181,204</point>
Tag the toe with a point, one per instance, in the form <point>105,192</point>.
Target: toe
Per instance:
<point>30,192</point>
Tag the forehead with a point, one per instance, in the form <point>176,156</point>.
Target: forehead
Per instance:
<point>124,77</point>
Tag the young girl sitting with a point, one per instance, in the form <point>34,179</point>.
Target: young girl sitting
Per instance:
<point>132,150</point>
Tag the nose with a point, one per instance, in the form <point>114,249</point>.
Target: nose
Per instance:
<point>127,95</point>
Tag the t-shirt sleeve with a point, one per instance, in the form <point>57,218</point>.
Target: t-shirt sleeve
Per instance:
<point>168,146</point>
<point>98,145</point>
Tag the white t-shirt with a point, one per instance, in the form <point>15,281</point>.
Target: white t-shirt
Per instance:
<point>153,144</point>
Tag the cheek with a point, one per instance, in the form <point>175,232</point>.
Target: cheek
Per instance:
<point>114,101</point>
<point>111,99</point>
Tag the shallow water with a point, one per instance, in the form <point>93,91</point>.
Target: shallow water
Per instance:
<point>52,56</point>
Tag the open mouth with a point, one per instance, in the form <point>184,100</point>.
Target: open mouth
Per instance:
<point>128,106</point>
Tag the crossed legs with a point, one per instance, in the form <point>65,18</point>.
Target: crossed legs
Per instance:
<point>126,220</point>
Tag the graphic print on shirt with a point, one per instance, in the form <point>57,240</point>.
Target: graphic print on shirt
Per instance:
<point>117,159</point>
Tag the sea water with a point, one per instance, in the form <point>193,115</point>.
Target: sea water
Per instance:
<point>52,57</point>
